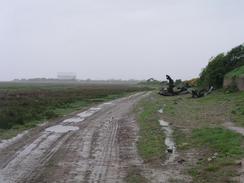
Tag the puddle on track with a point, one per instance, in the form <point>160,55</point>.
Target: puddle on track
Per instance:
<point>6,143</point>
<point>81,116</point>
<point>89,112</point>
<point>74,120</point>
<point>61,129</point>
<point>108,103</point>
<point>29,158</point>
<point>169,141</point>
<point>95,109</point>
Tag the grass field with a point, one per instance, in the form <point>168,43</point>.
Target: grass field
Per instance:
<point>22,106</point>
<point>198,129</point>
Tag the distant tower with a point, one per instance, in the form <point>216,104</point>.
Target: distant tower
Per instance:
<point>66,76</point>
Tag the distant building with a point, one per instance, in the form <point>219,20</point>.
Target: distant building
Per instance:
<point>66,76</point>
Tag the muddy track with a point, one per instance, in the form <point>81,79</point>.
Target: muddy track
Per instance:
<point>97,145</point>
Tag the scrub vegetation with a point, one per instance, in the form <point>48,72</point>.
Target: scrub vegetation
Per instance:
<point>213,74</point>
<point>24,105</point>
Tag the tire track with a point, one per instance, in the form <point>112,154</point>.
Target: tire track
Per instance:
<point>107,156</point>
<point>94,153</point>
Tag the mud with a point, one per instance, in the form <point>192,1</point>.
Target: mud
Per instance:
<point>169,140</point>
<point>96,145</point>
<point>170,170</point>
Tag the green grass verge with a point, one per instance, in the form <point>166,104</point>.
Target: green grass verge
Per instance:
<point>223,141</point>
<point>238,72</point>
<point>229,147</point>
<point>216,108</point>
<point>198,128</point>
<point>151,137</point>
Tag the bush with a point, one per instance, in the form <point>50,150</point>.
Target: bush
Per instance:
<point>213,74</point>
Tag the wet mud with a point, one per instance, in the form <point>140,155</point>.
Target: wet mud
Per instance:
<point>96,145</point>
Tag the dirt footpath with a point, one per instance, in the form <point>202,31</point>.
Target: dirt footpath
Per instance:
<point>96,145</point>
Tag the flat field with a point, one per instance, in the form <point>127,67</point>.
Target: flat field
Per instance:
<point>23,106</point>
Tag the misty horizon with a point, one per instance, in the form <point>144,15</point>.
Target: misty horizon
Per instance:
<point>115,39</point>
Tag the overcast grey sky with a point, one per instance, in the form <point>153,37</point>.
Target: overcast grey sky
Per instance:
<point>102,39</point>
